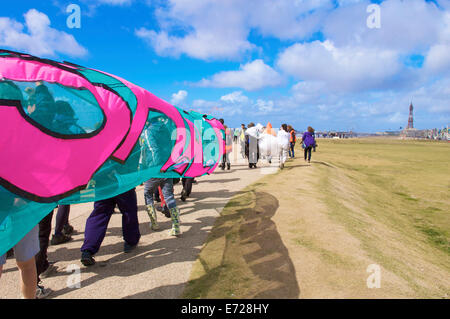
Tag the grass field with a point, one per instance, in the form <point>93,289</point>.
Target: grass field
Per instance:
<point>311,230</point>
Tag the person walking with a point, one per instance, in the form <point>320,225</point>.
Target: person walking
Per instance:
<point>63,230</point>
<point>309,142</point>
<point>187,188</point>
<point>228,149</point>
<point>97,224</point>
<point>292,140</point>
<point>251,148</point>
<point>242,139</point>
<point>43,266</point>
<point>166,185</point>
<point>236,134</point>
<point>283,144</point>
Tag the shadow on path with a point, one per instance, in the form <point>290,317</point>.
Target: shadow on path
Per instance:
<point>253,251</point>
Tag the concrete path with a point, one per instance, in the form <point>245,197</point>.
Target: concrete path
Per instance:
<point>161,265</point>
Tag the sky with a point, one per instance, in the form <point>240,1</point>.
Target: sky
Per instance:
<point>330,64</point>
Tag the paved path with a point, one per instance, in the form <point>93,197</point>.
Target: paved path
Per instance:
<point>161,265</point>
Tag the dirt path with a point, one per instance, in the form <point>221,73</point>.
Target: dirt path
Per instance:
<point>161,265</point>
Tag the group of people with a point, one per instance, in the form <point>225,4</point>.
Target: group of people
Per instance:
<point>285,143</point>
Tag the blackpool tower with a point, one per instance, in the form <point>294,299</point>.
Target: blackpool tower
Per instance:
<point>410,118</point>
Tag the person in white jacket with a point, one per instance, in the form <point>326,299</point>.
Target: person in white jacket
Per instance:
<point>283,144</point>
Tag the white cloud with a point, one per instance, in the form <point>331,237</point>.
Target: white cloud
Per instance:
<point>437,59</point>
<point>264,106</point>
<point>179,97</point>
<point>220,29</point>
<point>251,76</point>
<point>346,68</point>
<point>235,97</point>
<point>212,30</point>
<point>39,38</point>
<point>308,92</point>
<point>234,103</point>
<point>411,25</point>
<point>287,19</point>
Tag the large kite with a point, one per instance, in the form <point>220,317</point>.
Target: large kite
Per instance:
<point>70,134</point>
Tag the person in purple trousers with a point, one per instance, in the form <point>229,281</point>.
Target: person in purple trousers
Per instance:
<point>97,224</point>
<point>309,142</point>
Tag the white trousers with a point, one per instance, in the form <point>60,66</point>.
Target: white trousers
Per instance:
<point>283,151</point>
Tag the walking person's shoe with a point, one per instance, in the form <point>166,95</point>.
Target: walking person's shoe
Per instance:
<point>127,248</point>
<point>175,214</point>
<point>151,211</point>
<point>10,254</point>
<point>51,270</point>
<point>87,259</point>
<point>183,195</point>
<point>68,230</point>
<point>166,211</point>
<point>42,293</point>
<point>228,166</point>
<point>60,239</point>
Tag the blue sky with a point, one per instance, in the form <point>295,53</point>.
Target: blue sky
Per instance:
<point>301,62</point>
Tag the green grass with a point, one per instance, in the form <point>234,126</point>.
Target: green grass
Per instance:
<point>400,179</point>
<point>390,195</point>
<point>403,186</point>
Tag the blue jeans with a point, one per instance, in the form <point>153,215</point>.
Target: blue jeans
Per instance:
<point>166,184</point>
<point>291,149</point>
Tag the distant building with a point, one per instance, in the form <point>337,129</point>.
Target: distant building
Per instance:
<point>410,131</point>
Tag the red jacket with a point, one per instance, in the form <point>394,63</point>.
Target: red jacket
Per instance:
<point>293,138</point>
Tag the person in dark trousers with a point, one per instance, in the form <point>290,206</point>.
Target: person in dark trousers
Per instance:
<point>97,224</point>
<point>187,188</point>
<point>228,149</point>
<point>63,230</point>
<point>65,122</point>
<point>43,266</point>
<point>224,158</point>
<point>251,148</point>
<point>309,142</point>
<point>292,140</point>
